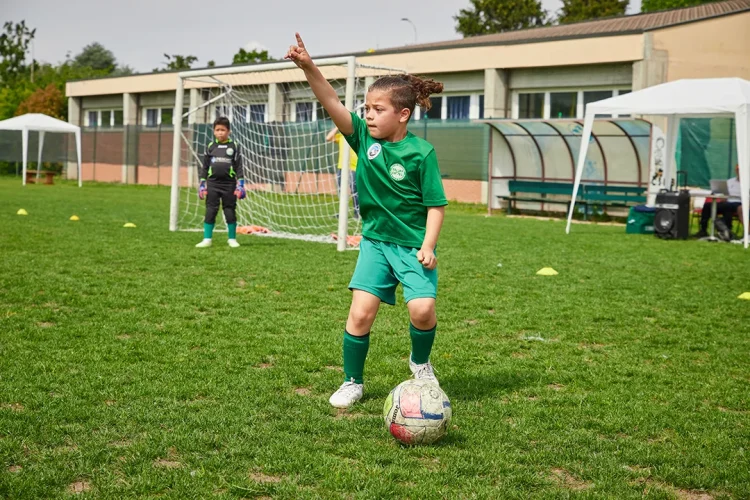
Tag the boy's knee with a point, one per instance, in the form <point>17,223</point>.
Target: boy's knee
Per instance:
<point>422,313</point>
<point>361,318</point>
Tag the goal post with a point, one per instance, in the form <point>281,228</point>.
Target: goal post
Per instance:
<point>297,182</point>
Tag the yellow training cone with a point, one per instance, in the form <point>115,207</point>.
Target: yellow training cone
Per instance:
<point>547,271</point>
<point>21,211</point>
<point>129,224</point>
<point>744,296</point>
<point>74,217</point>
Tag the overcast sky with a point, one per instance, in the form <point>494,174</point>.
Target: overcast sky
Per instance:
<point>139,32</point>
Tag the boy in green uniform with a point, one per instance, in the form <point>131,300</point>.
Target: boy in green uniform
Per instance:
<point>401,202</point>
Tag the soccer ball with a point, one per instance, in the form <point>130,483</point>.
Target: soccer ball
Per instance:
<point>417,412</point>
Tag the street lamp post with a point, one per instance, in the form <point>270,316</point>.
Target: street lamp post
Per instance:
<point>406,19</point>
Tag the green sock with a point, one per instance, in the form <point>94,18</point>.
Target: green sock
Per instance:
<point>232,228</point>
<point>208,230</point>
<point>355,353</point>
<point>421,343</point>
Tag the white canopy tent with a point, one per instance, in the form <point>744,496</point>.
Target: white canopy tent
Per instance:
<point>42,124</point>
<point>682,98</point>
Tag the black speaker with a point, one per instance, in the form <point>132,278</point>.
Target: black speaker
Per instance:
<point>672,216</point>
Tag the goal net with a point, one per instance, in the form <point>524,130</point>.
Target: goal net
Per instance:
<point>292,161</point>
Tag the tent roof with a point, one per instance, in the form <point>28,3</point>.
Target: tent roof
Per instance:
<point>37,121</point>
<point>681,97</point>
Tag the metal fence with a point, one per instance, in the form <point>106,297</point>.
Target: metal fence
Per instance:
<point>461,146</point>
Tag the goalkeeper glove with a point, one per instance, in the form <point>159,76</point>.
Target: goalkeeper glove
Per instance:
<point>202,190</point>
<point>240,191</point>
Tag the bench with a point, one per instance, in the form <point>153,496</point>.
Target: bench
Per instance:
<point>612,196</point>
<point>588,194</point>
<point>537,192</point>
<point>49,177</point>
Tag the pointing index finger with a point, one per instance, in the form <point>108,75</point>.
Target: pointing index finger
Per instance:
<point>300,43</point>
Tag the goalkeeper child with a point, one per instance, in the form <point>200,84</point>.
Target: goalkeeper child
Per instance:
<point>221,182</point>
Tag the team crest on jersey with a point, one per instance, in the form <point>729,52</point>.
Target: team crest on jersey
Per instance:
<point>397,171</point>
<point>374,151</point>
<point>230,151</point>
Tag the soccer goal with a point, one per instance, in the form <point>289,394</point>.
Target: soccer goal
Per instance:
<point>291,165</point>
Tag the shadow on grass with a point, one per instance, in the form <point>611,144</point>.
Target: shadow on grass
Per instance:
<point>484,385</point>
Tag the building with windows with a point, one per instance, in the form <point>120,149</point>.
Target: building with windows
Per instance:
<point>542,73</point>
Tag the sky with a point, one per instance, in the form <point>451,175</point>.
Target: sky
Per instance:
<point>140,32</point>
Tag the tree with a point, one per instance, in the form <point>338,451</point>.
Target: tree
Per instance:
<point>176,62</point>
<point>95,56</point>
<point>49,101</point>
<point>123,71</point>
<point>211,63</point>
<point>654,5</point>
<point>496,16</point>
<point>254,56</point>
<point>574,11</point>
<point>14,42</point>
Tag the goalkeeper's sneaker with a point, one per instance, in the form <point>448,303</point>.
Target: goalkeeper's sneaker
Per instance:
<point>233,243</point>
<point>349,393</point>
<point>423,372</point>
<point>204,244</point>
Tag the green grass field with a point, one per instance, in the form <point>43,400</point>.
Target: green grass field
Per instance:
<point>134,365</point>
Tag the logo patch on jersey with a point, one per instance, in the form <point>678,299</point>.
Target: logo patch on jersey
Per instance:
<point>397,171</point>
<point>230,151</point>
<point>374,151</point>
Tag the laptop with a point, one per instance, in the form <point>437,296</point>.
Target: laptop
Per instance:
<point>719,187</point>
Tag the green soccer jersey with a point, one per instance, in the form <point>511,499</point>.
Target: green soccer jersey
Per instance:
<point>396,183</point>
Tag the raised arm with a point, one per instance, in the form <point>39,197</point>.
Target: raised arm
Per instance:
<point>323,90</point>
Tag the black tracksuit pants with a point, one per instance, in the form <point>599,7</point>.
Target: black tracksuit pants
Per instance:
<point>221,192</point>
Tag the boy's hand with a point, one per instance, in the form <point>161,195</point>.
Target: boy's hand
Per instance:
<point>426,257</point>
<point>240,191</point>
<point>202,190</point>
<point>298,54</point>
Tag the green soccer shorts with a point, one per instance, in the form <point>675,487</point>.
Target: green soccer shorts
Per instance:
<point>382,266</point>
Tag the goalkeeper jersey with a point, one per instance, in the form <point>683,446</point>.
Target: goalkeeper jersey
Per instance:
<point>396,183</point>
<point>222,161</point>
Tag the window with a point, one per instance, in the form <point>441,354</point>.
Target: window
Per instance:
<point>458,107</point>
<point>93,119</point>
<point>481,106</point>
<point>303,111</point>
<point>257,113</point>
<point>166,117</point>
<point>106,118</point>
<point>118,120</point>
<point>530,106</point>
<point>435,112</point>
<point>239,114</point>
<point>221,111</point>
<point>152,117</point>
<point>359,107</point>
<point>595,95</point>
<point>321,113</point>
<point>563,104</point>
<point>623,92</point>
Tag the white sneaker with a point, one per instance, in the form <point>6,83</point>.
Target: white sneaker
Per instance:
<point>423,372</point>
<point>204,244</point>
<point>348,394</point>
<point>233,243</point>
